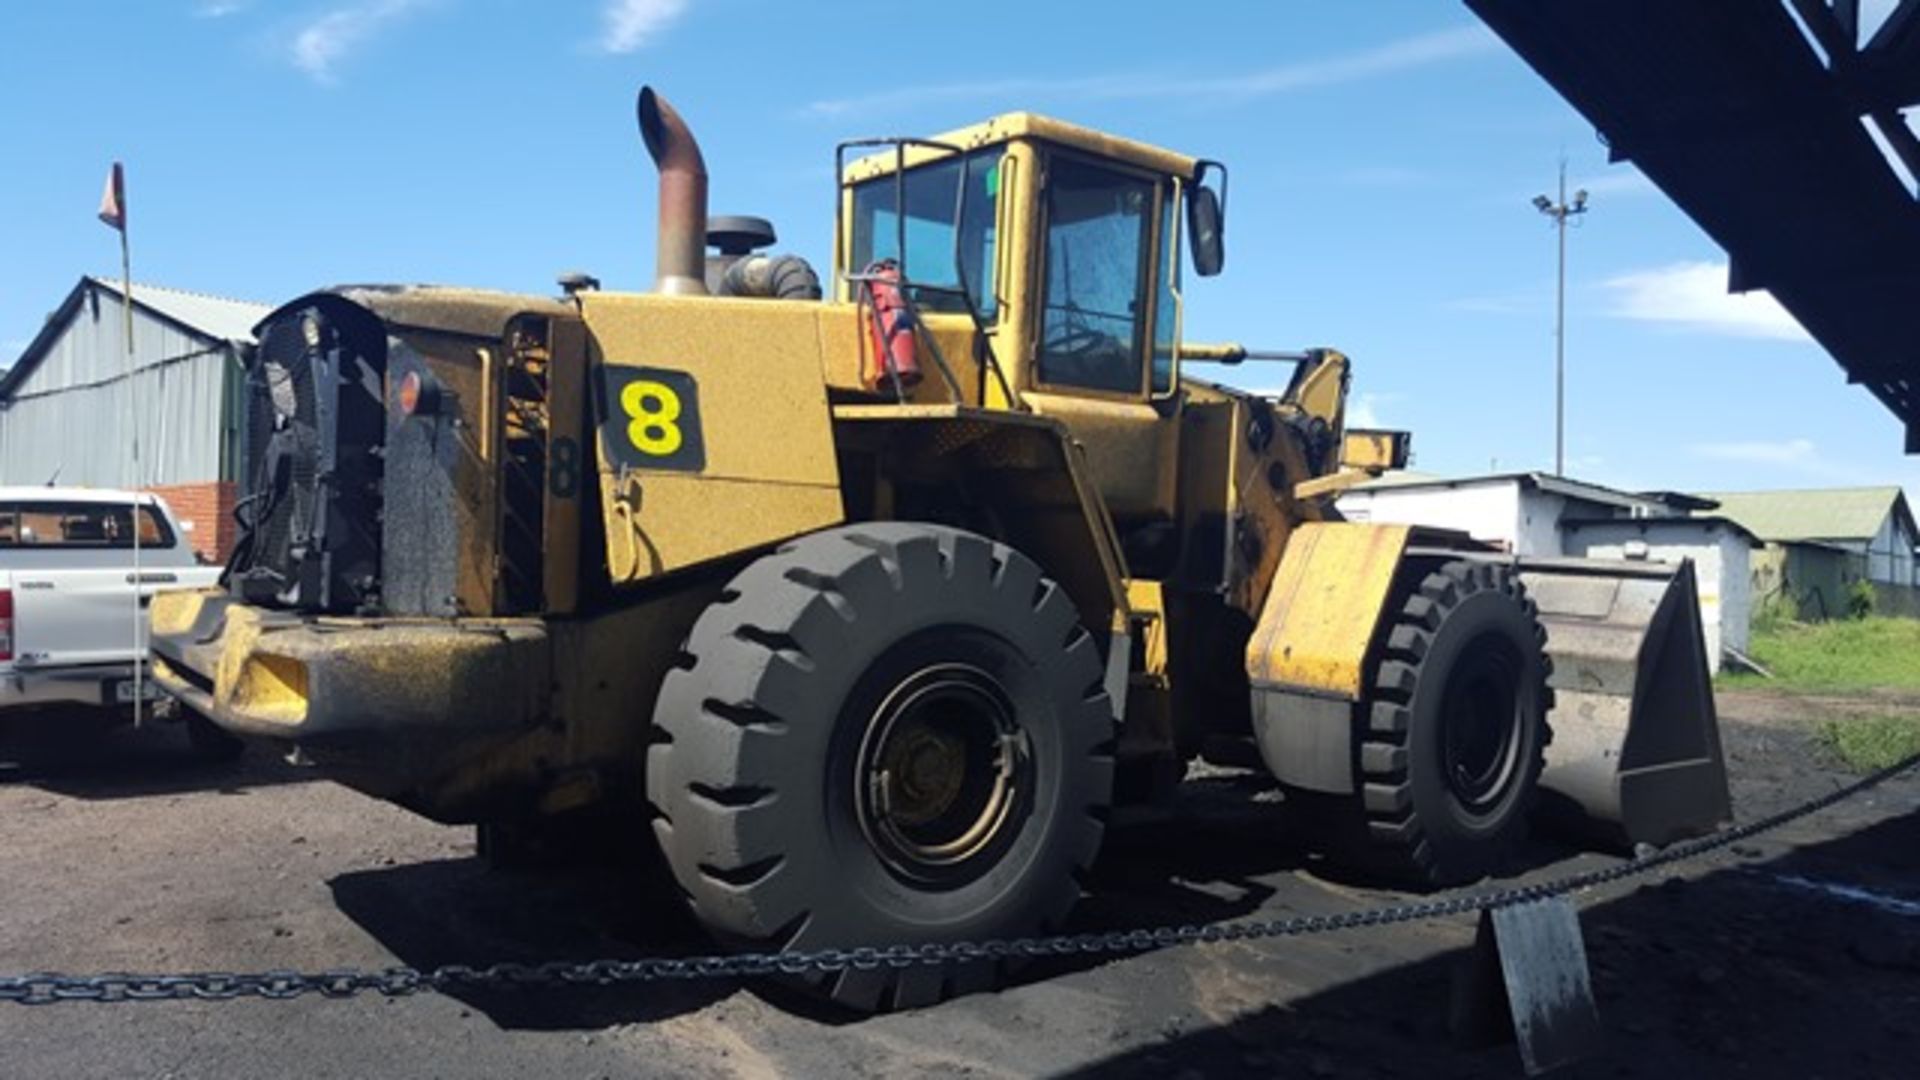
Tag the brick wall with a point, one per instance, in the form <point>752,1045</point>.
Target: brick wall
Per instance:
<point>210,507</point>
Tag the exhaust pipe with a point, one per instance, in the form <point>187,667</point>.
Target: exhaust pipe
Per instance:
<point>680,259</point>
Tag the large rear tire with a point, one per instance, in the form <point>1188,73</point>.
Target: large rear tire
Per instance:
<point>1452,737</point>
<point>884,734</point>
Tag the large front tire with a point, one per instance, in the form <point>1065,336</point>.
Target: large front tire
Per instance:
<point>1452,737</point>
<point>884,734</point>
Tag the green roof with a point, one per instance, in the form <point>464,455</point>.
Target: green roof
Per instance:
<point>1813,514</point>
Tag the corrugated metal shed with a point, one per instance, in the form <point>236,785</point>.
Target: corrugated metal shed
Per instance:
<point>1814,513</point>
<point>64,405</point>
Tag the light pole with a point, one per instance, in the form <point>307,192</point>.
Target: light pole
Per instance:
<point>1560,211</point>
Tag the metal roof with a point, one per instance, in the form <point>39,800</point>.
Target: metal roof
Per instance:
<point>42,493</point>
<point>213,318</point>
<point>1557,485</point>
<point>1815,513</point>
<point>1698,522</point>
<point>1735,114</point>
<point>1026,125</point>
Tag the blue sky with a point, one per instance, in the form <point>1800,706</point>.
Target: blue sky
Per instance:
<point>1383,158</point>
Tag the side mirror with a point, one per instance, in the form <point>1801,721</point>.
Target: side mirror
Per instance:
<point>1206,220</point>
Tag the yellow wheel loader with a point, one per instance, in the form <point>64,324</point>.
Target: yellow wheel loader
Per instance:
<point>868,609</point>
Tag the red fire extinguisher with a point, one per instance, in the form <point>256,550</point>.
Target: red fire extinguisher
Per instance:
<point>890,327</point>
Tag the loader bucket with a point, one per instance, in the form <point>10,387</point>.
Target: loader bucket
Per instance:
<point>1635,755</point>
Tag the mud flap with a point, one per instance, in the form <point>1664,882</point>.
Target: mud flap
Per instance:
<point>1635,756</point>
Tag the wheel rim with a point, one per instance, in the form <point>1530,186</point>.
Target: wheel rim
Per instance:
<point>1484,723</point>
<point>940,770</point>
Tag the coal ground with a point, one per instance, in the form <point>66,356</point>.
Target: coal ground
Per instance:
<point>118,851</point>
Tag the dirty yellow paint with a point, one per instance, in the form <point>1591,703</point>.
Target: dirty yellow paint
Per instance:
<point>1373,450</point>
<point>1325,605</point>
<point>1146,600</point>
<point>271,688</point>
<point>174,612</point>
<point>769,470</point>
<point>1028,127</point>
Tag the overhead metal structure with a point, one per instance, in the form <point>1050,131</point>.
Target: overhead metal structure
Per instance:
<point>1764,120</point>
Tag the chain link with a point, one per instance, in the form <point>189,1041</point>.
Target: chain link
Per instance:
<point>46,988</point>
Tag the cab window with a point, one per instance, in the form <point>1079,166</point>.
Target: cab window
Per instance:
<point>92,525</point>
<point>930,206</point>
<point>1166,305</point>
<point>1099,240</point>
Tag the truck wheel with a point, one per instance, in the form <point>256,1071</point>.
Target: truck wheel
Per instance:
<point>1454,733</point>
<point>883,734</point>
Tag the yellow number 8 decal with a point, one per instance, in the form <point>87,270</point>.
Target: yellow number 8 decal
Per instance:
<point>653,414</point>
<point>649,418</point>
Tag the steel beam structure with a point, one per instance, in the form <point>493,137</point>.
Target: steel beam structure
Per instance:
<point>1762,136</point>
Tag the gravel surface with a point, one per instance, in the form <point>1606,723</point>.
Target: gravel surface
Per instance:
<point>119,851</point>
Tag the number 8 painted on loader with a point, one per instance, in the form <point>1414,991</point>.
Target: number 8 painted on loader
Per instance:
<point>652,407</point>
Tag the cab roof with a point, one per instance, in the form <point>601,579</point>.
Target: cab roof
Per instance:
<point>1025,125</point>
<point>43,494</point>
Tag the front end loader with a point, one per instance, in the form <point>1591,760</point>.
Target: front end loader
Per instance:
<point>865,605</point>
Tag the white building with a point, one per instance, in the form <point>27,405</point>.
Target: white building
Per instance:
<point>1721,552</point>
<point>1537,514</point>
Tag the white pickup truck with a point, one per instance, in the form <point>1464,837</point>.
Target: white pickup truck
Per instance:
<point>69,634</point>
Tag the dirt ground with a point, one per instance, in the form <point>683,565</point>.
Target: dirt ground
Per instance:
<point>119,851</point>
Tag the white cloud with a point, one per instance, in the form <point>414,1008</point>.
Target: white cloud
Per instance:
<point>1402,54</point>
<point>1799,452</point>
<point>219,9</point>
<point>630,24</point>
<point>1798,456</point>
<point>1363,410</point>
<point>1694,295</point>
<point>320,44</point>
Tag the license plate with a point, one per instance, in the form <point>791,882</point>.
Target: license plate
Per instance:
<point>123,691</point>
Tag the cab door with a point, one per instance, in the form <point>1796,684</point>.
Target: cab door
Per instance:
<point>1102,314</point>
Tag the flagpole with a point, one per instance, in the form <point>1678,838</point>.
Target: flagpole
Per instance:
<point>133,414</point>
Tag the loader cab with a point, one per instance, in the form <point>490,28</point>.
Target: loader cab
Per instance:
<point>1060,245</point>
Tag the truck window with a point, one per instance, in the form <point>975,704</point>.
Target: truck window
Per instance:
<point>1166,305</point>
<point>1093,310</point>
<point>931,199</point>
<point>79,525</point>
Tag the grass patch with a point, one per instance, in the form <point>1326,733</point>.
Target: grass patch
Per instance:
<point>1846,654</point>
<point>1871,743</point>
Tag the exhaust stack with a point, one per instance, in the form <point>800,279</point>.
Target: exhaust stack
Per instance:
<point>680,259</point>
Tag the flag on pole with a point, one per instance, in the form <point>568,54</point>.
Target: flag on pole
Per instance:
<point>113,201</point>
<point>113,211</point>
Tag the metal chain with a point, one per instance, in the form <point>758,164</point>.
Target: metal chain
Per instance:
<point>48,988</point>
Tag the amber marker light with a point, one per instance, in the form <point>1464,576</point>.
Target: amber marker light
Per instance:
<point>409,393</point>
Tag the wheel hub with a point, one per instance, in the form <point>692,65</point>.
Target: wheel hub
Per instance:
<point>1483,716</point>
<point>939,774</point>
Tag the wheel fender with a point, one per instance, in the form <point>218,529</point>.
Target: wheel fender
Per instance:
<point>1306,660</point>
